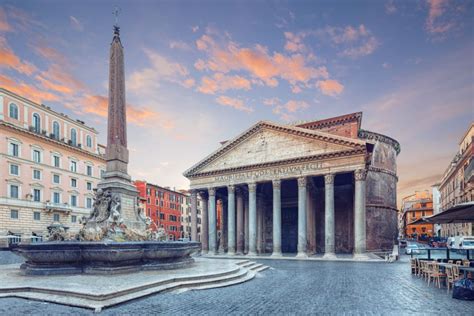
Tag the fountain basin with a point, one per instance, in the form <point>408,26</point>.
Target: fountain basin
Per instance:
<point>74,257</point>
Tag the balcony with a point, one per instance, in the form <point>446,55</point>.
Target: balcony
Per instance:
<point>469,172</point>
<point>58,207</point>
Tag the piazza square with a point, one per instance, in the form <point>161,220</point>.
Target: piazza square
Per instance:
<point>168,157</point>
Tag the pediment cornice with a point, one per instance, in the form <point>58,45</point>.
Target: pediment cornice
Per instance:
<point>350,145</point>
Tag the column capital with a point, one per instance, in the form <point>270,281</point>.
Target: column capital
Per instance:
<point>231,188</point>
<point>302,182</point>
<point>276,184</point>
<point>252,187</point>
<point>212,191</point>
<point>360,174</point>
<point>329,178</point>
<point>203,195</point>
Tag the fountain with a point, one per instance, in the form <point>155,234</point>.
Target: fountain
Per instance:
<point>117,236</point>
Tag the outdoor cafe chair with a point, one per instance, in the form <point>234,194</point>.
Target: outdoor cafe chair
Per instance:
<point>466,263</point>
<point>413,266</point>
<point>450,261</point>
<point>456,275</point>
<point>436,274</point>
<point>449,277</point>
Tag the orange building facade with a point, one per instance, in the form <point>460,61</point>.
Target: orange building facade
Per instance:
<point>414,207</point>
<point>164,206</point>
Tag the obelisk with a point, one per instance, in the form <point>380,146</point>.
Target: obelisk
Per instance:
<point>116,179</point>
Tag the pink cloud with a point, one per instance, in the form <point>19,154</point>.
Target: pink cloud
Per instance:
<point>330,87</point>
<point>263,66</point>
<point>234,103</point>
<point>441,18</point>
<point>285,110</point>
<point>4,26</point>
<point>8,59</point>
<point>220,83</point>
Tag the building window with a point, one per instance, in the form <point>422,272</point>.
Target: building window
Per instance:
<point>102,173</point>
<point>88,202</point>
<point>73,200</point>
<point>89,186</point>
<point>56,161</point>
<point>36,156</point>
<point>162,216</point>
<point>56,178</point>
<point>14,149</point>
<point>36,174</point>
<point>14,191</point>
<point>74,183</point>
<point>89,170</point>
<point>37,216</point>
<point>89,141</point>
<point>37,195</point>
<point>73,137</point>
<point>56,197</point>
<point>56,132</point>
<point>56,217</point>
<point>14,170</point>
<point>14,214</point>
<point>36,123</point>
<point>13,111</point>
<point>73,166</point>
<point>73,218</point>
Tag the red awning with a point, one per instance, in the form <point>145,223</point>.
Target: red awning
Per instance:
<point>461,213</point>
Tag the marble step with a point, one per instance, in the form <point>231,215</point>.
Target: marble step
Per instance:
<point>242,262</point>
<point>101,297</point>
<point>262,268</point>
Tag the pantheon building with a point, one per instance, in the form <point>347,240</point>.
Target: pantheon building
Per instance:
<point>323,187</point>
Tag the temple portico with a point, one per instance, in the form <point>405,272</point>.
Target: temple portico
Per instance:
<point>299,189</point>
<point>265,206</point>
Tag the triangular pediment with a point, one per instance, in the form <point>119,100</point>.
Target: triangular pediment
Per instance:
<point>267,142</point>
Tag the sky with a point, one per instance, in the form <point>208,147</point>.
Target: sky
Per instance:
<point>200,72</point>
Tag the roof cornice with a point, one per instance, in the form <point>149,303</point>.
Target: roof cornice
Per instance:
<point>47,109</point>
<point>319,135</point>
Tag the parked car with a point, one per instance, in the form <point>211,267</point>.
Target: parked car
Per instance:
<point>412,249</point>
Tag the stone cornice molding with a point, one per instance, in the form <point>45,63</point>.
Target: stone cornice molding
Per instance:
<point>302,182</point>
<point>360,174</point>
<point>329,179</point>
<point>339,154</point>
<point>353,117</point>
<point>391,208</point>
<point>318,135</point>
<point>364,134</point>
<point>383,170</point>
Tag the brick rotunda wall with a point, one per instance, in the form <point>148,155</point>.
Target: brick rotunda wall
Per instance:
<point>381,196</point>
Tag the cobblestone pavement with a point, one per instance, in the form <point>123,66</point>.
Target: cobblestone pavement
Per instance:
<point>290,287</point>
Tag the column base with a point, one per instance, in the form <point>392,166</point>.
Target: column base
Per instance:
<point>231,253</point>
<point>204,252</point>
<point>251,253</point>
<point>276,254</point>
<point>329,256</point>
<point>302,254</point>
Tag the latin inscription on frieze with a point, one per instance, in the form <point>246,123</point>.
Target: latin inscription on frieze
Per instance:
<point>278,172</point>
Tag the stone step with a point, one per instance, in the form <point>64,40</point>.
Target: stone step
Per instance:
<point>98,303</point>
<point>248,265</point>
<point>241,262</point>
<point>262,268</point>
<point>256,266</point>
<point>102,297</point>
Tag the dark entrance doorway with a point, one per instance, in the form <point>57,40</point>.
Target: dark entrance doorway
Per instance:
<point>289,229</point>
